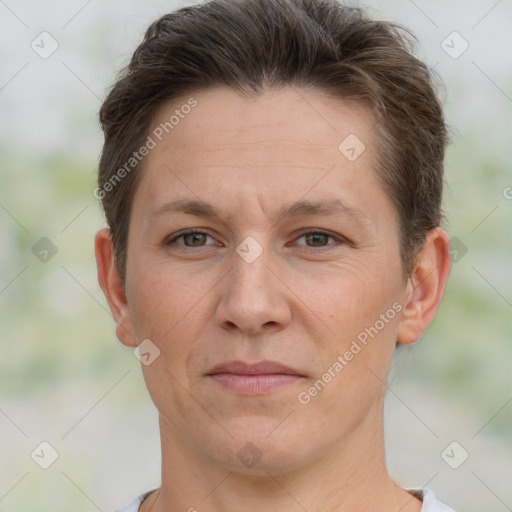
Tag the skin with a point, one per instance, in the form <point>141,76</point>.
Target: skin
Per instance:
<point>302,302</point>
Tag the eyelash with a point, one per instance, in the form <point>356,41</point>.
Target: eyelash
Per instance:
<point>339,240</point>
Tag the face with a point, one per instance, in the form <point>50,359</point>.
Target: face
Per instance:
<point>264,264</point>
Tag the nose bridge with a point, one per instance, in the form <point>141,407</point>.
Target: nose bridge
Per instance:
<point>251,279</point>
<point>252,298</point>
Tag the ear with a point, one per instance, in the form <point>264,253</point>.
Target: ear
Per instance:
<point>425,286</point>
<point>112,286</point>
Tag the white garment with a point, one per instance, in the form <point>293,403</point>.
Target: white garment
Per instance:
<point>430,502</point>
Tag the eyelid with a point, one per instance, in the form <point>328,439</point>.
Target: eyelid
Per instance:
<point>339,239</point>
<point>172,238</point>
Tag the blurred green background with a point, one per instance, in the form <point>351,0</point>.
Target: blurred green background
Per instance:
<point>66,380</point>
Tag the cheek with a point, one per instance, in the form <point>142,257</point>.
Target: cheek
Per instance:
<point>171,308</point>
<point>170,315</point>
<point>159,310</point>
<point>362,312</point>
<point>159,300</point>
<point>352,301</point>
<point>354,368</point>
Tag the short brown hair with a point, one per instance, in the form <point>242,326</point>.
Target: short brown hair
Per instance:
<point>249,44</point>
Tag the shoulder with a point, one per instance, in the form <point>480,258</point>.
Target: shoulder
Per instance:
<point>134,505</point>
<point>430,501</point>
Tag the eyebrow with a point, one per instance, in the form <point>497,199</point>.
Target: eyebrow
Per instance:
<point>300,208</point>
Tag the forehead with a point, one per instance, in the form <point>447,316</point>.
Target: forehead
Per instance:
<point>280,145</point>
<point>288,120</point>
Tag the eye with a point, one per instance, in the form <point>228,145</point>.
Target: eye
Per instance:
<point>316,238</point>
<point>197,238</point>
<point>191,238</point>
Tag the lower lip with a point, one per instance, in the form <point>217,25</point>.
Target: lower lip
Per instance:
<point>254,384</point>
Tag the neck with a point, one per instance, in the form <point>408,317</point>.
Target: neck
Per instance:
<point>350,476</point>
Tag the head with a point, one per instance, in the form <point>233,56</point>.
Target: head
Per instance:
<point>300,144</point>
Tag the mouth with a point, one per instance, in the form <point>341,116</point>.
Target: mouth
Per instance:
<point>254,379</point>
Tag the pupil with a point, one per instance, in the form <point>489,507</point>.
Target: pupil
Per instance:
<point>316,239</point>
<point>195,236</point>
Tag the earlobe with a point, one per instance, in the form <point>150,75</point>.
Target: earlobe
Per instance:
<point>113,288</point>
<point>425,286</point>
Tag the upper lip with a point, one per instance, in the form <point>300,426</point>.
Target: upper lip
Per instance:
<point>260,368</point>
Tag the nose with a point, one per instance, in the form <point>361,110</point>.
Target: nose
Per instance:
<point>254,299</point>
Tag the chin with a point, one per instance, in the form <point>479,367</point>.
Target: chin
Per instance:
<point>259,447</point>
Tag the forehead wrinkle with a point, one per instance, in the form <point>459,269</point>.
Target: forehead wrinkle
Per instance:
<point>300,208</point>
<point>261,165</point>
<point>261,143</point>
